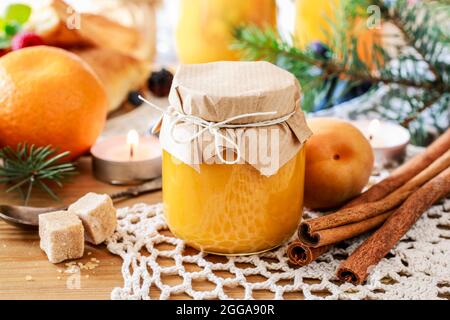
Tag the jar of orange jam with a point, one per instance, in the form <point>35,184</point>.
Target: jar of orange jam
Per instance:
<point>234,158</point>
<point>204,31</point>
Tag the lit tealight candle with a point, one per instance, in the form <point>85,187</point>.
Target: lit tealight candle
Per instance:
<point>129,159</point>
<point>388,140</point>
<point>132,142</point>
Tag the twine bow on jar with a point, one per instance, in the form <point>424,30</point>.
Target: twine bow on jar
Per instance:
<point>214,127</point>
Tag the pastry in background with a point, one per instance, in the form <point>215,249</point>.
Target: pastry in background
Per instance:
<point>120,74</point>
<point>116,38</point>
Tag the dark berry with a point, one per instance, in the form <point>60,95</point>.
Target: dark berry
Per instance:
<point>3,52</point>
<point>133,98</point>
<point>346,91</point>
<point>319,49</point>
<point>160,82</point>
<point>26,39</point>
<point>363,88</point>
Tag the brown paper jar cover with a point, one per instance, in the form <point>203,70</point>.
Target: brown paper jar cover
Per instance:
<point>218,91</point>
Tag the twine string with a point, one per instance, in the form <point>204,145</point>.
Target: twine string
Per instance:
<point>214,127</point>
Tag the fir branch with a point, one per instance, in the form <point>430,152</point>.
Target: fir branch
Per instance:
<point>426,105</point>
<point>426,38</point>
<point>266,44</point>
<point>26,167</point>
<point>423,31</point>
<point>411,35</point>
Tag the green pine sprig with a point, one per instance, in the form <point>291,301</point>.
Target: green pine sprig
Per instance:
<point>427,42</point>
<point>30,166</point>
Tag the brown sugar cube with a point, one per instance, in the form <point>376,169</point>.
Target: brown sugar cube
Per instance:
<point>62,236</point>
<point>98,215</point>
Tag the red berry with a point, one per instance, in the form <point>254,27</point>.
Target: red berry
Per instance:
<point>26,39</point>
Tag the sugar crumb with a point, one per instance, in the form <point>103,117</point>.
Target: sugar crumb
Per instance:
<point>72,269</point>
<point>29,278</point>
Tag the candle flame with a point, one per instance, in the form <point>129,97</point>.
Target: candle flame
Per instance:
<point>374,128</point>
<point>132,141</point>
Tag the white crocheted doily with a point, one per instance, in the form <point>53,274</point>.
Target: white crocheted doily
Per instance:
<point>417,268</point>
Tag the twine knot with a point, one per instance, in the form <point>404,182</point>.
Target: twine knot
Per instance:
<point>214,127</point>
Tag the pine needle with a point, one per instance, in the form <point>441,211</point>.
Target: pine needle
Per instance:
<point>27,167</point>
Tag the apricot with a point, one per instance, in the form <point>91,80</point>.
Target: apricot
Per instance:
<point>339,161</point>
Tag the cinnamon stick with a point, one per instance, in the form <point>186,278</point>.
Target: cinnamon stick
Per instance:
<point>308,231</point>
<point>405,172</point>
<point>317,235</point>
<point>338,234</point>
<point>301,254</point>
<point>355,268</point>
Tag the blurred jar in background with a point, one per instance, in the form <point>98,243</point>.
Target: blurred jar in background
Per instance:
<point>312,23</point>
<point>204,31</point>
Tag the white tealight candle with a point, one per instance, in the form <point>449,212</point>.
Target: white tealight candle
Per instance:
<point>375,136</point>
<point>127,159</point>
<point>388,140</point>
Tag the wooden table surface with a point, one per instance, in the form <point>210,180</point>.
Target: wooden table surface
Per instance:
<point>25,272</point>
<point>21,256</point>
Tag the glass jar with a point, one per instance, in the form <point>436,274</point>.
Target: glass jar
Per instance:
<point>311,21</point>
<point>233,209</point>
<point>204,31</point>
<point>234,157</point>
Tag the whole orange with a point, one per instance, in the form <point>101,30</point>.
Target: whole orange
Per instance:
<point>49,96</point>
<point>339,161</point>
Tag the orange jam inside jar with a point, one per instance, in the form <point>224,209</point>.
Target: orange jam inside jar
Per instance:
<point>233,209</point>
<point>251,201</point>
